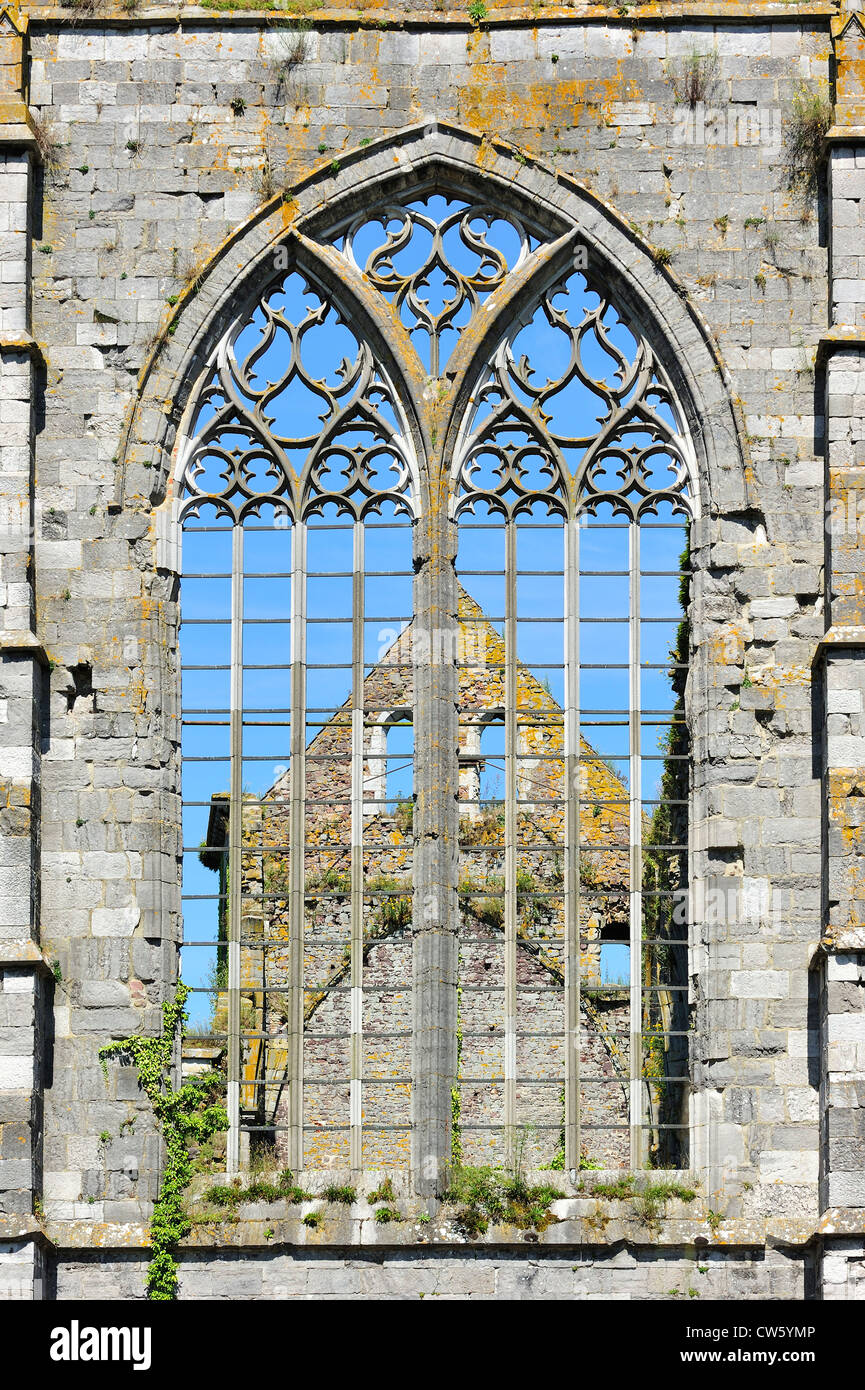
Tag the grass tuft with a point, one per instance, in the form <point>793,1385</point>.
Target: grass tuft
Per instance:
<point>804,133</point>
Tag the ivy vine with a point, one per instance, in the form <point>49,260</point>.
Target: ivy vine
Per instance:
<point>188,1114</point>
<point>456,1098</point>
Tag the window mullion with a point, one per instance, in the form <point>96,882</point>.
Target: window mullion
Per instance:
<point>572,842</point>
<point>636,856</point>
<point>357,735</point>
<point>510,875</point>
<point>297,834</point>
<point>235,856</point>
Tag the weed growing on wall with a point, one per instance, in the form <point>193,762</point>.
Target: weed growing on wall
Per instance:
<point>804,133</point>
<point>456,1096</point>
<point>283,1190</point>
<point>696,77</point>
<point>187,1115</point>
<point>483,1195</point>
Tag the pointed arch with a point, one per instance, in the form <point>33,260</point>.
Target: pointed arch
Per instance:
<point>426,157</point>
<point>199,358</point>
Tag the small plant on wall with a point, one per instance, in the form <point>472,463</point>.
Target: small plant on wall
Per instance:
<point>804,132</point>
<point>49,148</point>
<point>290,51</point>
<point>695,77</point>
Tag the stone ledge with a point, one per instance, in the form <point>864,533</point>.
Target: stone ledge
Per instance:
<point>25,644</point>
<point>96,1235</point>
<point>22,952</point>
<point>17,125</point>
<point>849,134</point>
<point>838,638</point>
<point>838,338</point>
<point>659,14</point>
<point>20,1228</point>
<point>22,342</point>
<point>364,1233</point>
<point>843,939</point>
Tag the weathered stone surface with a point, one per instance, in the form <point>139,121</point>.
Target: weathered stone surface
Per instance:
<point>167,140</point>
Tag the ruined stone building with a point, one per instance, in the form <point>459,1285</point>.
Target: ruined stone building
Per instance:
<point>431,609</point>
<point>265,964</point>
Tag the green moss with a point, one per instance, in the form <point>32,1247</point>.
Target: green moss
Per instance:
<point>456,1094</point>
<point>616,1191</point>
<point>649,1199</point>
<point>284,6</point>
<point>330,880</point>
<point>391,913</point>
<point>235,1194</point>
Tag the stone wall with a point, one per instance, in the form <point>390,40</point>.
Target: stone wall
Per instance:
<point>584,1274</point>
<point>159,143</point>
<point>842,1024</point>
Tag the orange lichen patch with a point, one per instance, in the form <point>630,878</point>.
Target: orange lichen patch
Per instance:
<point>846,804</point>
<point>486,104</point>
<point>138,692</point>
<point>16,794</point>
<point>726,647</point>
<point>846,522</point>
<point>850,70</point>
<point>781,679</point>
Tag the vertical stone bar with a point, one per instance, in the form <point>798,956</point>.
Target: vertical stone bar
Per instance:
<point>235,853</point>
<point>24,978</point>
<point>357,736</point>
<point>435,926</point>
<point>297,832</point>
<point>510,887</point>
<point>572,794</point>
<point>841,665</point>
<point>636,851</point>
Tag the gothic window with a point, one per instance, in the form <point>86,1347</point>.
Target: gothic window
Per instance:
<point>302,482</point>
